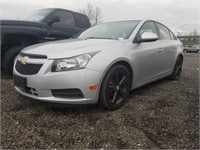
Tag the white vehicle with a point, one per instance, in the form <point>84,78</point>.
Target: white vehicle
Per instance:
<point>191,48</point>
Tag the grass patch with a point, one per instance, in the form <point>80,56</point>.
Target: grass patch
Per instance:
<point>190,42</point>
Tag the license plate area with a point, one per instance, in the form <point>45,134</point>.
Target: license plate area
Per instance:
<point>20,82</point>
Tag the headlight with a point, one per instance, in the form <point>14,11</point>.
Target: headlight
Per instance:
<point>73,63</point>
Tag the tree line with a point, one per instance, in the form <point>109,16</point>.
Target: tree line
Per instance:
<point>94,13</point>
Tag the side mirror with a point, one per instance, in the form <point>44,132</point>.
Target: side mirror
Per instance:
<point>147,37</point>
<point>53,19</point>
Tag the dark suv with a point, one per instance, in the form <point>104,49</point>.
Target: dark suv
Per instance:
<point>43,25</point>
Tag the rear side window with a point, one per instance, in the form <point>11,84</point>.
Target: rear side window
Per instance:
<point>66,18</point>
<point>82,21</point>
<point>148,27</point>
<point>164,32</point>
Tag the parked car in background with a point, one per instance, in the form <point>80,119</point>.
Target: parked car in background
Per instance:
<point>101,65</point>
<point>191,48</point>
<point>42,26</point>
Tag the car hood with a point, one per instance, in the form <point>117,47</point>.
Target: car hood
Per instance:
<point>71,47</point>
<point>18,23</point>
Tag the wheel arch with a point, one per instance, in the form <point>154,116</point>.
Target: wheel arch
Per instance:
<point>180,55</point>
<point>11,40</point>
<point>122,61</point>
<point>127,65</point>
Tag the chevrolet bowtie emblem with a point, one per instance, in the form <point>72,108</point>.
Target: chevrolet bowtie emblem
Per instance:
<point>24,60</point>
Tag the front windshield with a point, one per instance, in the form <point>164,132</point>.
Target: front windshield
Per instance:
<point>38,16</point>
<point>115,30</point>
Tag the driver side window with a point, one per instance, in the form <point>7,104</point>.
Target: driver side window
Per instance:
<point>164,32</point>
<point>148,27</point>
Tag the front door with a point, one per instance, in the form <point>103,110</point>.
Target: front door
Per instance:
<point>145,67</point>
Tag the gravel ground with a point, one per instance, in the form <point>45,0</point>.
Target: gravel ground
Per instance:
<point>164,114</point>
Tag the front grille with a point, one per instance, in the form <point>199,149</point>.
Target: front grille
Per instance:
<point>67,93</point>
<point>35,56</point>
<point>27,69</point>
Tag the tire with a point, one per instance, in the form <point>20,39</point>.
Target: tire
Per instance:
<point>177,69</point>
<point>185,51</point>
<point>115,88</point>
<point>8,58</point>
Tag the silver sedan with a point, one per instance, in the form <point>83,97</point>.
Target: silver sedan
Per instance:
<point>100,65</point>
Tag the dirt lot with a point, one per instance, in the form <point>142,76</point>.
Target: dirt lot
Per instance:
<point>164,114</point>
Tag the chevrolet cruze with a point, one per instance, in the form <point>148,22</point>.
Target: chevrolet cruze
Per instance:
<point>100,65</point>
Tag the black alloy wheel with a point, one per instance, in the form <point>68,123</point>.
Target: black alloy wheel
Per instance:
<point>177,69</point>
<point>115,87</point>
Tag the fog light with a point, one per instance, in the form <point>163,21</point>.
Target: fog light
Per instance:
<point>93,87</point>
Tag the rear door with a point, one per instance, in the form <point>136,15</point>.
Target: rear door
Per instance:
<point>63,29</point>
<point>165,55</point>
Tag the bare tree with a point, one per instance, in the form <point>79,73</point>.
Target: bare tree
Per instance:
<point>94,14</point>
<point>97,16</point>
<point>195,33</point>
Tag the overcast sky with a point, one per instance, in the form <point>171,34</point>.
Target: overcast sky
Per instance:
<point>178,15</point>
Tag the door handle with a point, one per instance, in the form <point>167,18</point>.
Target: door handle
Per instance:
<point>160,50</point>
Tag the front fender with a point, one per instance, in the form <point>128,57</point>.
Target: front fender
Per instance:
<point>102,63</point>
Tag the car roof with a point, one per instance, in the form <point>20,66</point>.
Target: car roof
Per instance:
<point>66,10</point>
<point>120,21</point>
<point>53,9</point>
<point>139,20</point>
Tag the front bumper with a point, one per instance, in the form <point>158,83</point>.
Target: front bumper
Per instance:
<point>45,81</point>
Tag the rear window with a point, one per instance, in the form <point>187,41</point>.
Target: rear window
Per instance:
<point>82,21</point>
